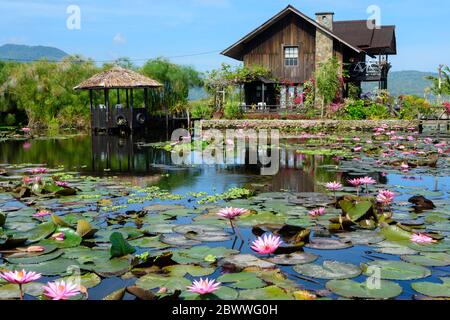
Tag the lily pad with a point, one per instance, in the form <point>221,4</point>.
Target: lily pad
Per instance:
<point>182,270</point>
<point>429,259</point>
<point>352,289</point>
<point>242,261</point>
<point>396,270</point>
<point>119,246</point>
<point>49,268</point>
<point>178,240</point>
<point>328,244</point>
<point>149,242</point>
<point>40,232</point>
<point>362,237</point>
<point>267,293</point>
<point>223,293</point>
<point>435,290</point>
<point>199,255</point>
<point>35,259</point>
<point>330,270</point>
<point>293,259</point>
<point>242,280</point>
<point>156,281</point>
<point>71,239</point>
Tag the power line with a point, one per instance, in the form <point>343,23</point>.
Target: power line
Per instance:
<point>113,60</point>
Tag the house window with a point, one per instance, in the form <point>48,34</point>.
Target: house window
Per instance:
<point>291,56</point>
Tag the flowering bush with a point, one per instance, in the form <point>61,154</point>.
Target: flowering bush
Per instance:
<point>412,106</point>
<point>447,106</point>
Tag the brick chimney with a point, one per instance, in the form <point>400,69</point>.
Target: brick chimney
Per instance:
<point>325,19</point>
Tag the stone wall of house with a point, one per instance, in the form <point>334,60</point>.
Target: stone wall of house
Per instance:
<point>297,126</point>
<point>324,47</point>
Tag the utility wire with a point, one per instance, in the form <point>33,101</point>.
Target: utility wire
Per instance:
<point>114,60</point>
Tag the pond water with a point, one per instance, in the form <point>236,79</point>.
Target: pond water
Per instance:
<point>132,163</point>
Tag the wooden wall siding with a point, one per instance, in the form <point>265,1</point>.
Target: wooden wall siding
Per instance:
<point>268,49</point>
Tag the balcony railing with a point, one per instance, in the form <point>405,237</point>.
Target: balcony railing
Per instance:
<point>369,71</point>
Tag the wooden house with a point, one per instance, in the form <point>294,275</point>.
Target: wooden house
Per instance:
<point>292,45</point>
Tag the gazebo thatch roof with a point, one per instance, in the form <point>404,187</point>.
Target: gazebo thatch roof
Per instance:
<point>118,78</point>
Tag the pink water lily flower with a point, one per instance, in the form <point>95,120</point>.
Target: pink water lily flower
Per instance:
<point>404,166</point>
<point>356,182</point>
<point>26,130</point>
<point>20,277</point>
<point>334,186</point>
<point>357,149</point>
<point>368,181</point>
<point>35,249</point>
<point>386,197</point>
<point>27,180</point>
<point>62,184</point>
<point>60,236</point>
<point>317,212</point>
<point>204,286</point>
<point>267,244</point>
<point>38,170</point>
<point>60,290</point>
<point>42,213</point>
<point>231,213</point>
<point>422,239</point>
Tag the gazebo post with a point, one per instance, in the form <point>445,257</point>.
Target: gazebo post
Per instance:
<point>107,107</point>
<point>91,101</point>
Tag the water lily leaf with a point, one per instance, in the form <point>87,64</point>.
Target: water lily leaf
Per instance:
<point>362,237</point>
<point>40,232</point>
<point>328,244</point>
<point>330,270</point>
<point>116,295</point>
<point>435,290</point>
<point>87,280</point>
<point>204,233</point>
<point>120,247</point>
<point>163,207</point>
<point>109,268</point>
<point>182,270</point>
<point>394,248</point>
<point>71,239</point>
<point>49,268</point>
<point>156,281</point>
<point>65,192</point>
<point>396,270</point>
<point>9,291</point>
<point>59,221</point>
<point>35,259</point>
<point>242,280</point>
<point>267,293</point>
<point>242,261</point>
<point>160,228</point>
<point>85,230</point>
<point>429,259</point>
<point>355,211</point>
<point>352,289</point>
<point>264,217</point>
<point>198,254</point>
<point>149,242</point>
<point>395,233</point>
<point>293,259</point>
<point>178,240</point>
<point>442,246</point>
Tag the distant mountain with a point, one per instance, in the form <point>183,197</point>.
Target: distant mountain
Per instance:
<point>23,53</point>
<point>404,83</point>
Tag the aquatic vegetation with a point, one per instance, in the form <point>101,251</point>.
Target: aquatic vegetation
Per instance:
<point>20,278</point>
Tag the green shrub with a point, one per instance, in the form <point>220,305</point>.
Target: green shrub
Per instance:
<point>376,111</point>
<point>353,110</point>
<point>201,109</point>
<point>10,119</point>
<point>411,106</point>
<point>232,110</point>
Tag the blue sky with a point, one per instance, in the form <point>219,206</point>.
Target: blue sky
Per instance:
<point>175,28</point>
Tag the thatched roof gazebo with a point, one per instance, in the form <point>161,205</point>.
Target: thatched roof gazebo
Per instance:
<point>120,116</point>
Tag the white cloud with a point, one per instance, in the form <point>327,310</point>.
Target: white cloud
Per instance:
<point>119,39</point>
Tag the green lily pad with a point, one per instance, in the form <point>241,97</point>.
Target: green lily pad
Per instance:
<point>267,293</point>
<point>160,228</point>
<point>182,270</point>
<point>178,240</point>
<point>88,280</point>
<point>293,259</point>
<point>330,270</point>
<point>119,246</point>
<point>149,242</point>
<point>395,233</point>
<point>394,248</point>
<point>362,237</point>
<point>328,244</point>
<point>242,261</point>
<point>156,281</point>
<point>71,239</point>
<point>198,255</point>
<point>40,232</point>
<point>242,280</point>
<point>352,289</point>
<point>429,259</point>
<point>49,268</point>
<point>35,259</point>
<point>442,246</point>
<point>435,290</point>
<point>355,211</point>
<point>396,270</point>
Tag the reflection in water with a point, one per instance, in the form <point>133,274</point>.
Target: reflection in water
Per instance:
<point>126,157</point>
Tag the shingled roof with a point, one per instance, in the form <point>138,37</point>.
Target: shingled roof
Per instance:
<point>380,40</point>
<point>235,50</point>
